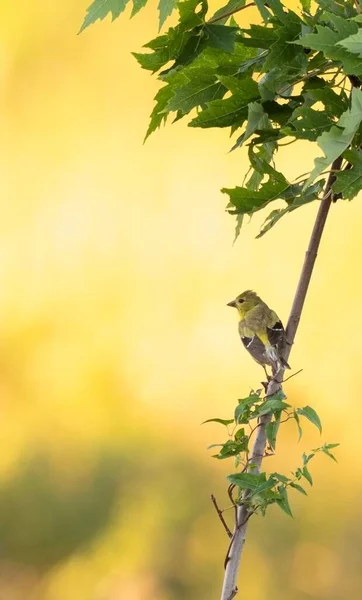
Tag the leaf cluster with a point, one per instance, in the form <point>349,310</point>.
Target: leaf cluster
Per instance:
<point>259,490</point>
<point>271,84</point>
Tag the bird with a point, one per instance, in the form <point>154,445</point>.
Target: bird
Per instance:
<point>261,331</point>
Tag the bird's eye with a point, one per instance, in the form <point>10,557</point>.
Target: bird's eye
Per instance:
<point>241,300</point>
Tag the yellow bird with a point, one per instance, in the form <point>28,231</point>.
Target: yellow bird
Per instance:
<point>261,331</point>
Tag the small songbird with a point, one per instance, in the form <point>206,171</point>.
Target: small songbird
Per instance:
<point>261,331</point>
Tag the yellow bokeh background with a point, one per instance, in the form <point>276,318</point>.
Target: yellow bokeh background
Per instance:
<point>116,263</point>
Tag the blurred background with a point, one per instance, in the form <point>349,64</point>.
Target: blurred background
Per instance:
<point>116,264</point>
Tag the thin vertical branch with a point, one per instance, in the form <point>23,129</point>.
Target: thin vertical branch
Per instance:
<point>233,558</point>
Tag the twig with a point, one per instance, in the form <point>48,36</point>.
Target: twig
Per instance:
<point>229,590</point>
<point>229,14</point>
<point>292,375</point>
<point>221,516</point>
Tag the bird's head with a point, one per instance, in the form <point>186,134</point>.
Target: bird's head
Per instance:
<point>245,302</point>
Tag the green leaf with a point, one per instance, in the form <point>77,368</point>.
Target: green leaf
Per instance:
<point>137,5</point>
<point>328,453</point>
<point>271,430</point>
<point>152,61</point>
<point>259,36</point>
<point>349,182</point>
<point>342,25</point>
<point>203,88</point>
<point>247,481</point>
<point>221,421</point>
<point>242,412</point>
<point>297,420</point>
<point>307,475</point>
<point>158,115</point>
<point>99,9</point>
<point>248,201</point>
<point>326,449</point>
<point>326,41</point>
<point>334,104</point>
<point>277,8</point>
<point>256,115</point>
<point>232,5</point>
<point>229,111</point>
<point>297,199</point>
<point>261,8</point>
<point>230,449</point>
<point>221,36</point>
<point>357,19</point>
<point>281,478</point>
<point>309,413</point>
<point>272,405</point>
<point>240,434</point>
<point>165,8</point>
<point>337,140</point>
<point>308,124</point>
<point>283,501</point>
<point>282,51</point>
<point>264,486</point>
<point>306,5</point>
<point>298,487</point>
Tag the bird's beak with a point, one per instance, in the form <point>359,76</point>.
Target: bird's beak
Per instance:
<point>232,303</point>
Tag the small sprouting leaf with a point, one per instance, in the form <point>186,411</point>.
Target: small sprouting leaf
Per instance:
<point>221,421</point>
<point>99,9</point>
<point>326,449</point>
<point>328,453</point>
<point>309,413</point>
<point>298,487</point>
<point>297,420</point>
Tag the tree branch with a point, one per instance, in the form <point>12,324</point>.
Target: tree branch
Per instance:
<point>233,558</point>
<point>230,13</point>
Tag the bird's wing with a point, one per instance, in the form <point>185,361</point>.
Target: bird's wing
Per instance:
<point>276,333</point>
<point>277,338</point>
<point>256,348</point>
